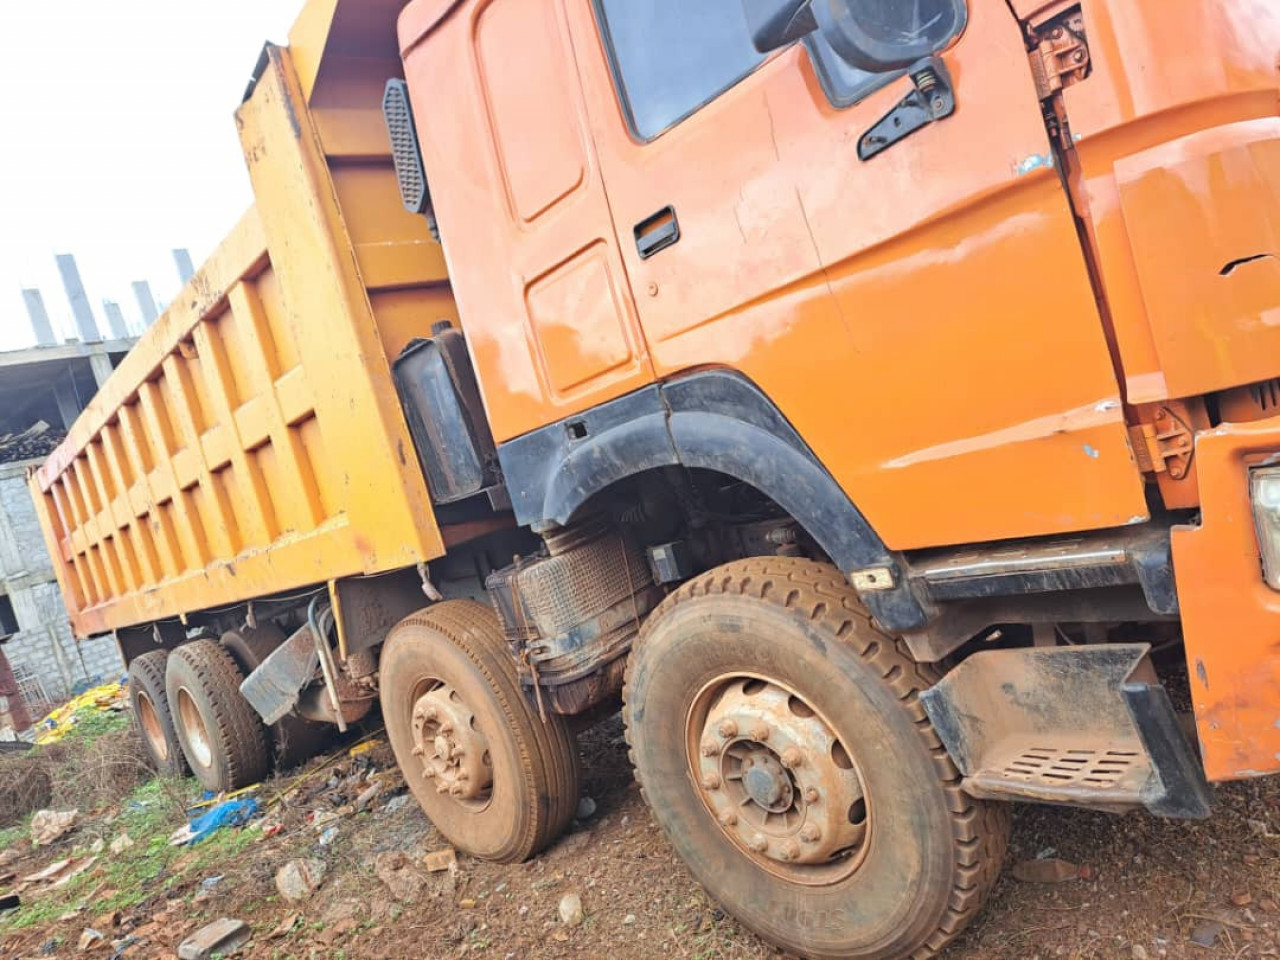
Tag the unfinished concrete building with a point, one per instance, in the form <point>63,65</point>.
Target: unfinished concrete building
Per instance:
<point>42,391</point>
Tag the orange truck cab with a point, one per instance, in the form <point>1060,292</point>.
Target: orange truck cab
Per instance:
<point>878,400</point>
<point>984,296</point>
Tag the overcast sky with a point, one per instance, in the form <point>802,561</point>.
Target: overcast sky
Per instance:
<point>119,142</point>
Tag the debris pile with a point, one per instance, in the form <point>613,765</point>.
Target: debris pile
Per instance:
<point>34,443</point>
<point>109,698</point>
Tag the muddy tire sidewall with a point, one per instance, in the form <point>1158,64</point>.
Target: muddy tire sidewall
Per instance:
<point>151,715</point>
<point>533,792</point>
<point>203,677</point>
<point>902,887</point>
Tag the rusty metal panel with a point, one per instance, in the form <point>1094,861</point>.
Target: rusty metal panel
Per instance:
<point>252,442</point>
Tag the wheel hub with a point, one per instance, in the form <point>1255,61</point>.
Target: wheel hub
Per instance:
<point>453,751</point>
<point>776,776</point>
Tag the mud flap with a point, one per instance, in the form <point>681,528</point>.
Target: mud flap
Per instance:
<point>1081,726</point>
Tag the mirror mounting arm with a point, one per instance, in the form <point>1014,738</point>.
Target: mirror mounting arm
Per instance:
<point>932,98</point>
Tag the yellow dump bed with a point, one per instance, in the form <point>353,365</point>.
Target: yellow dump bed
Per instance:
<point>252,443</point>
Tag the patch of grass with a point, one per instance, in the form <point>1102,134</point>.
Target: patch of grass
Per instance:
<point>149,815</point>
<point>13,836</point>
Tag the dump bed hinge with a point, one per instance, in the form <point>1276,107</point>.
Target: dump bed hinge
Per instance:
<point>1165,444</point>
<point>1059,53</point>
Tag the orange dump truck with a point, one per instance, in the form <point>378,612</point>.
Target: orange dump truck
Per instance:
<point>879,400</point>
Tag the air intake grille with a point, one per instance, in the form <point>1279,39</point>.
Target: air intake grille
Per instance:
<point>404,147</point>
<point>1266,394</point>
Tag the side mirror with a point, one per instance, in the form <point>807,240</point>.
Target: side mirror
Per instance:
<point>881,36</point>
<point>775,23</point>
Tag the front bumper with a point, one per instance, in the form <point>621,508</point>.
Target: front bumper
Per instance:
<point>1230,616</point>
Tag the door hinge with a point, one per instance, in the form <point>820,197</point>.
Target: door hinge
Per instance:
<point>1059,53</point>
<point>1164,445</point>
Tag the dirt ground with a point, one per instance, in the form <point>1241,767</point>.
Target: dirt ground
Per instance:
<point>1146,887</point>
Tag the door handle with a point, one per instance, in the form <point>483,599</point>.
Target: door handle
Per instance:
<point>656,233</point>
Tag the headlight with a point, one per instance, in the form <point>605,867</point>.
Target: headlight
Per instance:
<point>1264,490</point>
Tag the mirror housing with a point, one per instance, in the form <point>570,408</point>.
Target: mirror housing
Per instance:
<point>776,23</point>
<point>851,27</point>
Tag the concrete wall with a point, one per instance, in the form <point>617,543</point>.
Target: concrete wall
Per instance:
<point>43,643</point>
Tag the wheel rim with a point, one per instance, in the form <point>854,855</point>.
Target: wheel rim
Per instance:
<point>149,721</point>
<point>452,750</point>
<point>193,725</point>
<point>777,779</point>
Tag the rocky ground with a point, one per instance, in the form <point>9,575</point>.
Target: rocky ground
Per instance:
<point>1137,887</point>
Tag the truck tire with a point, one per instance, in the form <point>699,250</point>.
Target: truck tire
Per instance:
<point>223,739</point>
<point>293,739</point>
<point>496,780</point>
<point>151,714</point>
<point>778,739</point>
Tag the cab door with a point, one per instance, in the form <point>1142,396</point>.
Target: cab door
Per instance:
<point>518,193</point>
<point>924,318</point>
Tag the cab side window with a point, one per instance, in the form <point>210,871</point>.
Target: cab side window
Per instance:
<point>672,57</point>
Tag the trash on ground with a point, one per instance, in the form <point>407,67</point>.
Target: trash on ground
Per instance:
<point>298,879</point>
<point>90,938</point>
<point>228,813</point>
<point>49,872</point>
<point>219,938</point>
<point>120,844</point>
<point>48,825</point>
<point>108,698</point>
<point>366,747</point>
<point>284,927</point>
<point>441,860</point>
<point>1049,870</point>
<point>10,901</point>
<point>330,835</point>
<point>74,872</point>
<point>571,910</point>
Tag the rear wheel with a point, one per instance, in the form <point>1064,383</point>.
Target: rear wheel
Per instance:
<point>222,737</point>
<point>779,741</point>
<point>294,740</point>
<point>495,779</point>
<point>151,714</point>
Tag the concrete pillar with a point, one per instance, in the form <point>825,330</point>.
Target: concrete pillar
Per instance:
<point>68,403</point>
<point>79,301</point>
<point>101,366</point>
<point>115,320</point>
<point>146,302</point>
<point>40,324</point>
<point>183,259</point>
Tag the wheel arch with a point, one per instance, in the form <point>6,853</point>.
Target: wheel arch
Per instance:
<point>716,420</point>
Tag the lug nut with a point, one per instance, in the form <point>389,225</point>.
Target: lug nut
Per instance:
<point>811,795</point>
<point>418,751</point>
<point>790,851</point>
<point>810,833</point>
<point>455,790</point>
<point>710,748</point>
<point>446,728</point>
<point>729,818</point>
<point>792,757</point>
<point>728,729</point>
<point>760,732</point>
<point>711,781</point>
<point>758,843</point>
<point>428,773</point>
<point>442,787</point>
<point>463,776</point>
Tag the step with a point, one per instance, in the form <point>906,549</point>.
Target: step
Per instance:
<point>1086,726</point>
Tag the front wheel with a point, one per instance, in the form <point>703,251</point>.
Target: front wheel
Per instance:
<point>495,779</point>
<point>779,741</point>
